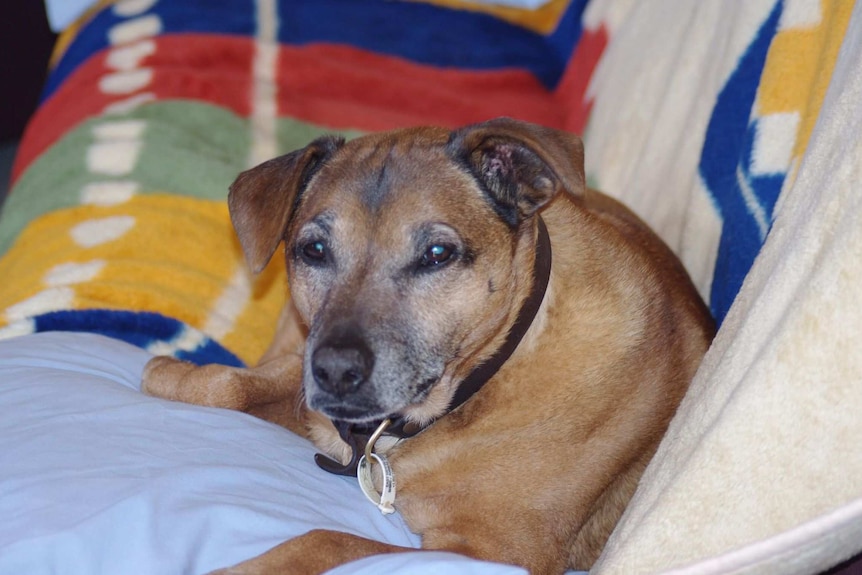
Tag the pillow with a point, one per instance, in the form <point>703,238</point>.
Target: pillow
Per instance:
<point>99,478</point>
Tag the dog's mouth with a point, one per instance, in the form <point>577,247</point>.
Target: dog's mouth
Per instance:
<point>350,413</point>
<point>424,388</point>
<point>360,409</point>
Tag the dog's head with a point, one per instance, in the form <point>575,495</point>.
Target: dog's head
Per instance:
<point>407,253</point>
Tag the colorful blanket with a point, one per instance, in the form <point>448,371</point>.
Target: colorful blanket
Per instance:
<point>117,222</point>
<point>730,127</point>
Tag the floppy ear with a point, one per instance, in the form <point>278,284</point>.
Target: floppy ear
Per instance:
<point>262,199</point>
<point>521,166</point>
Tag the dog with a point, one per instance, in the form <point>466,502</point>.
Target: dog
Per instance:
<point>527,339</point>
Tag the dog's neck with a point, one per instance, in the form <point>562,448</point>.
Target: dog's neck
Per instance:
<point>356,435</point>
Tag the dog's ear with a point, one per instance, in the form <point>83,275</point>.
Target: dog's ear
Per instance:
<point>521,166</point>
<point>262,199</point>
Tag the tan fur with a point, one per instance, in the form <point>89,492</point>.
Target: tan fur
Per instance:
<point>537,467</point>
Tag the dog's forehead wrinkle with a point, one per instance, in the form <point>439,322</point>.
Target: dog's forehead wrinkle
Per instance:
<point>376,169</point>
<point>372,162</point>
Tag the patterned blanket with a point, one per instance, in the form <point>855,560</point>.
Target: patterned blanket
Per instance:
<point>730,126</point>
<point>117,223</point>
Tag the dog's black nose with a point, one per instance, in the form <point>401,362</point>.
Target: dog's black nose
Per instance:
<point>341,367</point>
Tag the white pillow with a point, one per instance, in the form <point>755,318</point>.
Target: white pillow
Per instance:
<point>96,478</point>
<point>61,13</point>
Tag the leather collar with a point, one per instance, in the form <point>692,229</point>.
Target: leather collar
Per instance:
<point>356,434</point>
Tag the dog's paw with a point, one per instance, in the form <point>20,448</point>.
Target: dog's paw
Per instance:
<point>163,376</point>
<point>210,385</point>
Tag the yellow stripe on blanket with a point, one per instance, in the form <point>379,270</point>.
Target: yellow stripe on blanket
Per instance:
<point>798,70</point>
<point>161,253</point>
<point>543,19</point>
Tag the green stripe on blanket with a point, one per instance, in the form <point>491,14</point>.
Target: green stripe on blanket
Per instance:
<point>188,148</point>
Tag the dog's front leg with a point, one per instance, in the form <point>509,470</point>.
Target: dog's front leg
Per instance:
<point>311,554</point>
<point>270,391</point>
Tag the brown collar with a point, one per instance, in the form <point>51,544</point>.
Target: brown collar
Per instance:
<point>356,434</point>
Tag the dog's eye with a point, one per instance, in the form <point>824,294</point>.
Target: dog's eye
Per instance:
<point>436,255</point>
<point>314,252</point>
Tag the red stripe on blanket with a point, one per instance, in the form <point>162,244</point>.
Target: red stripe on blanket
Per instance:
<point>571,93</point>
<point>344,87</point>
<point>215,69</point>
<point>333,86</point>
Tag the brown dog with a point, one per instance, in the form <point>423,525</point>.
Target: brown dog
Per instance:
<point>423,292</point>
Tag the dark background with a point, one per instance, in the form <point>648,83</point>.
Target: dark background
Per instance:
<point>25,48</point>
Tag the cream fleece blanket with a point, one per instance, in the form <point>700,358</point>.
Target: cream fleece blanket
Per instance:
<point>761,471</point>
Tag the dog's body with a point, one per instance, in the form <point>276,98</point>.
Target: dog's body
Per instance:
<point>410,255</point>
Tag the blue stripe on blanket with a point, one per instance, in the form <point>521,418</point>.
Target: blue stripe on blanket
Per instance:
<point>432,35</point>
<point>146,330</point>
<point>745,202</point>
<point>424,33</point>
<point>233,17</point>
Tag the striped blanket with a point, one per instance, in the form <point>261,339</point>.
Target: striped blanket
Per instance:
<point>730,127</point>
<point>117,222</point>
